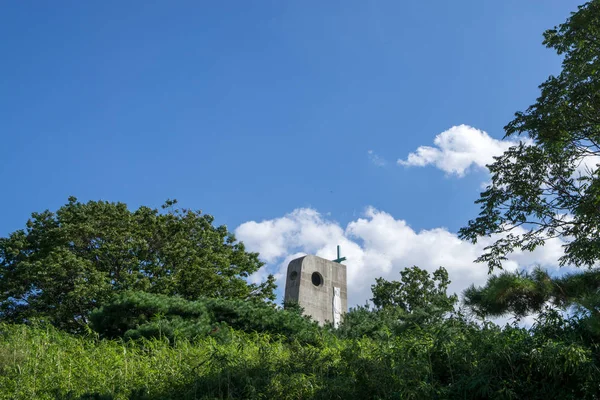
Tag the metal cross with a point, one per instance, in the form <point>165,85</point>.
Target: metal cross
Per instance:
<point>339,259</point>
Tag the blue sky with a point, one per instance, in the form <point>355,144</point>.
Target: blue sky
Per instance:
<point>250,110</point>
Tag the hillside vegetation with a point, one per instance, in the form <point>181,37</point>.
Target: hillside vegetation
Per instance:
<point>454,359</point>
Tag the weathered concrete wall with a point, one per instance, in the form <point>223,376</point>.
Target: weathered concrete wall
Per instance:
<point>316,297</point>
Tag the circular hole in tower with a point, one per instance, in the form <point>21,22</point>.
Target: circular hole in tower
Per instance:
<point>293,275</point>
<point>317,279</point>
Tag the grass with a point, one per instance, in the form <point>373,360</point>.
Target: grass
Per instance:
<point>445,362</point>
<point>47,364</point>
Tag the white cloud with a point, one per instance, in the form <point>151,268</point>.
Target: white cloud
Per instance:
<point>587,165</point>
<point>376,159</point>
<point>457,150</point>
<point>462,148</point>
<point>377,245</point>
<point>304,229</point>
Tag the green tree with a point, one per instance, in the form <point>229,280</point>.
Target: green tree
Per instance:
<point>137,314</point>
<point>415,290</point>
<point>523,293</point>
<point>66,263</point>
<point>549,185</point>
<point>418,298</point>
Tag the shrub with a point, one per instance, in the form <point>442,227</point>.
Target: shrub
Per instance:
<point>137,314</point>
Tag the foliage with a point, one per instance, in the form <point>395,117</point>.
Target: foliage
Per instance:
<point>449,359</point>
<point>522,293</point>
<point>364,321</point>
<point>293,307</point>
<point>542,188</point>
<point>415,290</point>
<point>417,299</point>
<point>66,263</point>
<point>133,315</point>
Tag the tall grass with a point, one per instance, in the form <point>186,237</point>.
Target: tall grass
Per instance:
<point>452,360</point>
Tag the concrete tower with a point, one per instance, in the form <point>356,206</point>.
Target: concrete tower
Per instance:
<point>319,286</point>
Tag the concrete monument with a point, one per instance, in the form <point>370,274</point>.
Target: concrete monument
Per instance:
<point>319,286</point>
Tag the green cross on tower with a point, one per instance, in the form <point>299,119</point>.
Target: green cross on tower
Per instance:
<point>339,259</point>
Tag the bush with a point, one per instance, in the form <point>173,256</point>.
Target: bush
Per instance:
<point>134,315</point>
<point>455,359</point>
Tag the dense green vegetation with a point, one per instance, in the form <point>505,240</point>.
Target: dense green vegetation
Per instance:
<point>133,315</point>
<point>66,263</point>
<point>450,359</point>
<point>417,299</point>
<point>153,346</point>
<point>100,302</point>
<point>523,293</point>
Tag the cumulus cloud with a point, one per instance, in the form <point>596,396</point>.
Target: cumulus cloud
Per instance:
<point>303,229</point>
<point>463,148</point>
<point>457,150</point>
<point>377,245</point>
<point>376,159</point>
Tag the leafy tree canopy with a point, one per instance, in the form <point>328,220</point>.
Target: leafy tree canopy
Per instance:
<point>415,290</point>
<point>418,298</point>
<point>132,315</point>
<point>549,185</point>
<point>523,293</point>
<point>66,263</point>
